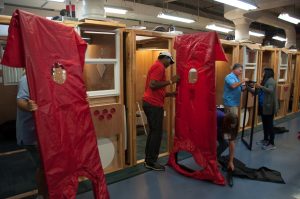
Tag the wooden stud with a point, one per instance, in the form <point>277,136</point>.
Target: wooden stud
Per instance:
<point>250,99</point>
<point>4,19</point>
<point>130,90</point>
<point>108,24</point>
<point>296,100</point>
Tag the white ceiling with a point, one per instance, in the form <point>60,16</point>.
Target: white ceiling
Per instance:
<point>37,3</point>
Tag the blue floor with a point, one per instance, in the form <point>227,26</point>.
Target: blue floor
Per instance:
<point>171,185</point>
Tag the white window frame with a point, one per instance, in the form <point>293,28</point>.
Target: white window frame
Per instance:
<point>10,75</point>
<point>246,64</point>
<point>116,63</point>
<point>283,67</point>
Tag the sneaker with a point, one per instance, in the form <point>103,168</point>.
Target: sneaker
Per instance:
<point>154,166</point>
<point>39,197</point>
<point>262,142</point>
<point>269,147</point>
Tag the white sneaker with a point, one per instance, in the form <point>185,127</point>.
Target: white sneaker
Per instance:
<point>269,147</point>
<point>39,197</point>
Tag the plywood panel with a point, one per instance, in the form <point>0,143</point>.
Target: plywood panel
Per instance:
<point>222,69</point>
<point>143,63</point>
<point>108,119</point>
<point>8,106</point>
<point>156,43</point>
<point>268,59</point>
<point>296,100</point>
<point>100,46</point>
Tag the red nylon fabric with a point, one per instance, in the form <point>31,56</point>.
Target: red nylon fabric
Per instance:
<point>195,120</point>
<point>66,135</point>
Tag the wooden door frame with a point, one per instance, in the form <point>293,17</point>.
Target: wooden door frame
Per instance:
<point>130,95</point>
<point>297,85</point>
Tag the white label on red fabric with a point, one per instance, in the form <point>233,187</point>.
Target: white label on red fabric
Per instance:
<point>59,74</point>
<point>193,76</point>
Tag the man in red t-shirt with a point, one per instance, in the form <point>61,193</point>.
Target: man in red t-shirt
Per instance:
<point>153,103</point>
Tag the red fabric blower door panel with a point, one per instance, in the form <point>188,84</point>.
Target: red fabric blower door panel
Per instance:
<point>195,120</point>
<point>53,55</point>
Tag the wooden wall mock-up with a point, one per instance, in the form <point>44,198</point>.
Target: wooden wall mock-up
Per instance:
<point>296,82</point>
<point>283,83</point>
<point>103,66</point>
<point>231,50</point>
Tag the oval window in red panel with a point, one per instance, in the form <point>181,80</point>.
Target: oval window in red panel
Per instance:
<point>112,110</point>
<point>109,116</point>
<point>101,117</point>
<point>105,111</point>
<point>96,112</point>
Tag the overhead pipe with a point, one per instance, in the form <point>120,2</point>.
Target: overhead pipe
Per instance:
<point>243,19</point>
<point>289,29</point>
<point>90,9</point>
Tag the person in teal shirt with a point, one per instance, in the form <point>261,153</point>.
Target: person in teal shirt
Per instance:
<point>26,132</point>
<point>232,89</point>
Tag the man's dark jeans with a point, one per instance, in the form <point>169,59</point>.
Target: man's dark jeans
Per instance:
<point>155,116</point>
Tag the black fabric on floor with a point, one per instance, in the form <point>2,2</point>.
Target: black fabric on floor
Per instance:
<point>17,173</point>
<point>261,174</point>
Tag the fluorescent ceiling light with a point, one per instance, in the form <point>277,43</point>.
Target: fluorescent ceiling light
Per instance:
<point>218,28</point>
<point>279,38</point>
<point>99,33</point>
<point>120,11</point>
<point>175,18</point>
<point>238,4</point>
<point>288,18</point>
<point>61,1</point>
<point>256,34</point>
